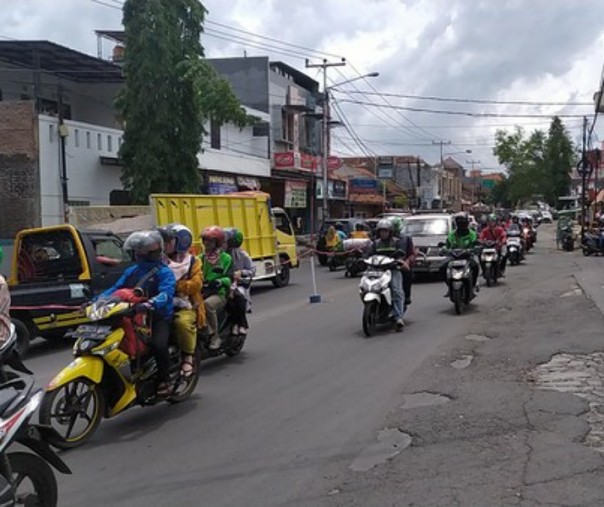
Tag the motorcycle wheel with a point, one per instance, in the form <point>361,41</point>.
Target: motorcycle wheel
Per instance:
<point>457,301</point>
<point>189,385</point>
<point>235,347</point>
<point>65,405</point>
<point>322,259</point>
<point>30,468</point>
<point>369,313</point>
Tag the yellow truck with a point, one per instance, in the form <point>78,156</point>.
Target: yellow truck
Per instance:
<point>268,234</point>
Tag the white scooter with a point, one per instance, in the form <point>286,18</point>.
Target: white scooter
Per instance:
<point>374,289</point>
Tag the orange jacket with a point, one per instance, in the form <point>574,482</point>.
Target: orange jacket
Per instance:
<point>190,286</point>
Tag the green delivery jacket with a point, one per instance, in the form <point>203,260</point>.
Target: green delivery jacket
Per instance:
<point>466,241</point>
<point>225,277</point>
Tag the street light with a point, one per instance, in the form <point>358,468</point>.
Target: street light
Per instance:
<point>326,132</point>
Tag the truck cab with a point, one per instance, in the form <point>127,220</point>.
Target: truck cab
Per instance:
<point>56,269</point>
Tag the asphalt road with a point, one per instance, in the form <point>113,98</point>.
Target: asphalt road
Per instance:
<point>308,392</point>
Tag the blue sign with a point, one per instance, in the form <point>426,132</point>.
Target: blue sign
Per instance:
<point>360,185</point>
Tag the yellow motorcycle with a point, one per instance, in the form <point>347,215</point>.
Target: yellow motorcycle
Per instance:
<point>112,371</point>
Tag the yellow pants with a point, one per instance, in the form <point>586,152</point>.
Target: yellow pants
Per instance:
<point>185,329</point>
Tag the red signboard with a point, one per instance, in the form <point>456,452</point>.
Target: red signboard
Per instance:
<point>285,160</point>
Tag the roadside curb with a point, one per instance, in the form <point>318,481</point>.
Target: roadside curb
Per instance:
<point>592,286</point>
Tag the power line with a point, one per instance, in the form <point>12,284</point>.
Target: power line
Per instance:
<point>475,101</point>
<point>366,151</point>
<point>237,38</point>
<point>389,119</point>
<point>371,85</point>
<point>460,113</point>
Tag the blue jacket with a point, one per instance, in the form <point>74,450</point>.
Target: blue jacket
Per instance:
<point>160,287</point>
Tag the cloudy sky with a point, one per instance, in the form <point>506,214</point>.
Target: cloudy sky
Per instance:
<point>493,50</point>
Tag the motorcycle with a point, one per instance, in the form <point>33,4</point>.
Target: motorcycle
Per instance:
<point>113,370</point>
<point>591,244</point>
<point>459,278</point>
<point>489,262</point>
<point>374,289</point>
<point>515,248</point>
<point>527,236</point>
<point>355,263</point>
<point>230,344</point>
<point>336,259</point>
<point>18,470</point>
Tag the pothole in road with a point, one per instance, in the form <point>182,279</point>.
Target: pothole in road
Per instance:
<point>477,338</point>
<point>582,375</point>
<point>423,399</point>
<point>391,441</point>
<point>463,362</point>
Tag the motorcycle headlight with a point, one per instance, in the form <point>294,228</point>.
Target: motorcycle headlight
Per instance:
<point>105,350</point>
<point>457,274</point>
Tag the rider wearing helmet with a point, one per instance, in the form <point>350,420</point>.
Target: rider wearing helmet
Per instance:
<point>4,306</point>
<point>464,238</point>
<point>217,276</point>
<point>240,301</point>
<point>157,281</point>
<point>402,249</point>
<point>496,233</point>
<point>190,312</point>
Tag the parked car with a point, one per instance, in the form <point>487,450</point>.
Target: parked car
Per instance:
<point>348,225</point>
<point>427,232</point>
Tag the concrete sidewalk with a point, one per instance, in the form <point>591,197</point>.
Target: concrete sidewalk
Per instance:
<point>590,277</point>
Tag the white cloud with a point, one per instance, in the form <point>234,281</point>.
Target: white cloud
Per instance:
<point>515,49</point>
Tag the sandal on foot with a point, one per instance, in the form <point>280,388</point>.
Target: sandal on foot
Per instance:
<point>187,367</point>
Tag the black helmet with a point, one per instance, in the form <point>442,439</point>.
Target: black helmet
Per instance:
<point>339,226</point>
<point>461,219</point>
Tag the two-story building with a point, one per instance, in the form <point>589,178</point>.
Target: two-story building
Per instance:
<point>60,136</point>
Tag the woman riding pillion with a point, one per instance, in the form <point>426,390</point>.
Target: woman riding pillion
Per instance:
<point>158,284</point>
<point>403,251</point>
<point>190,313</point>
<point>217,276</point>
<point>240,301</point>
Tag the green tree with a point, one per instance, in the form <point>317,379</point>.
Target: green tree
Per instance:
<point>537,164</point>
<point>560,157</point>
<point>170,91</point>
<point>499,195</point>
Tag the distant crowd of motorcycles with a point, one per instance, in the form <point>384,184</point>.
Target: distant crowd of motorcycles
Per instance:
<point>471,248</point>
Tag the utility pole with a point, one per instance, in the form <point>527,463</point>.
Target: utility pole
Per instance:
<point>325,141</point>
<point>442,171</point>
<point>63,133</point>
<point>473,176</point>
<point>419,184</point>
<point>583,178</point>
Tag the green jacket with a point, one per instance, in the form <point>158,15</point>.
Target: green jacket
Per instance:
<point>222,271</point>
<point>468,240</point>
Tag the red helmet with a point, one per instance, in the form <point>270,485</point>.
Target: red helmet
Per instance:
<point>214,232</point>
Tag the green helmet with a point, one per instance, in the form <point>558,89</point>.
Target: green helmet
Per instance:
<point>492,218</point>
<point>234,238</point>
<point>397,225</point>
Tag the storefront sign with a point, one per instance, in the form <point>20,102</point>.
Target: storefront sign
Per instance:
<point>309,162</point>
<point>248,182</point>
<point>385,173</point>
<point>336,189</point>
<point>295,194</point>
<point>285,160</point>
<point>218,185</point>
<point>363,185</point>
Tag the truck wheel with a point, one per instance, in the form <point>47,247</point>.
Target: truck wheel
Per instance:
<point>282,278</point>
<point>23,337</point>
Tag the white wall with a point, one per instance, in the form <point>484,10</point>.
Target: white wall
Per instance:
<point>88,179</point>
<point>240,152</point>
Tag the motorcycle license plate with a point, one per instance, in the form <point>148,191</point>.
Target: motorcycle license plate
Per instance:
<point>86,330</point>
<point>373,274</point>
<point>458,264</point>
